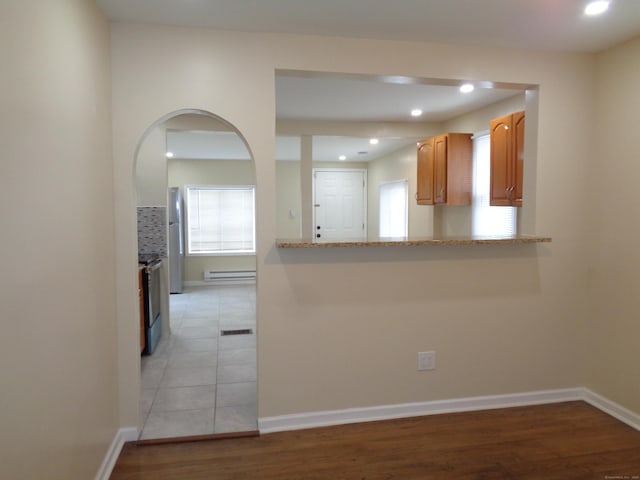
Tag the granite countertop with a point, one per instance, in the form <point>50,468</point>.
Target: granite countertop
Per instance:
<point>411,242</point>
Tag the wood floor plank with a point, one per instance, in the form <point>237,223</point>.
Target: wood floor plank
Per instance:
<point>561,441</point>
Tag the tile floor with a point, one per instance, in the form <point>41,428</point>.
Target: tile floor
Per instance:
<point>197,381</point>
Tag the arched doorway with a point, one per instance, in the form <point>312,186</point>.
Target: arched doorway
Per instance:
<point>197,380</point>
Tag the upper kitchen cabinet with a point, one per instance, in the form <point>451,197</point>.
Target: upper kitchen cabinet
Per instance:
<point>424,195</point>
<point>445,169</point>
<point>507,160</point>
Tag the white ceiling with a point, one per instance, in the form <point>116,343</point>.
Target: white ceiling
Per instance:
<point>529,24</point>
<point>557,25</point>
<point>212,145</point>
<point>334,97</point>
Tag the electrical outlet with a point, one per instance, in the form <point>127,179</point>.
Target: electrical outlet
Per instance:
<point>426,360</point>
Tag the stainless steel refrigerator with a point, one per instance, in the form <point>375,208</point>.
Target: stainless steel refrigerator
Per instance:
<point>176,242</point>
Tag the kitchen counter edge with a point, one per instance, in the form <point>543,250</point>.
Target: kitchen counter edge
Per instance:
<point>413,242</point>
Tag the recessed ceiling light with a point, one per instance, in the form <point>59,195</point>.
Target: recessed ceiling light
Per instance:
<point>597,7</point>
<point>169,154</point>
<point>466,88</point>
<point>374,141</point>
<point>416,112</point>
<point>342,157</point>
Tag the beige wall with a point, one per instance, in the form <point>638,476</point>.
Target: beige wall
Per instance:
<point>502,319</point>
<point>399,165</point>
<point>614,260</point>
<point>478,121</point>
<point>151,170</point>
<point>182,172</point>
<point>288,202</point>
<point>57,299</point>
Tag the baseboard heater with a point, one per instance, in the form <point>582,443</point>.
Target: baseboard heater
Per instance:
<point>230,276</point>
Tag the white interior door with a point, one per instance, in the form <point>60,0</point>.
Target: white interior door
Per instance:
<point>339,204</point>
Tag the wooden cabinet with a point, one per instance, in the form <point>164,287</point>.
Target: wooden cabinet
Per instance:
<point>426,182</point>
<point>445,169</point>
<point>507,160</point>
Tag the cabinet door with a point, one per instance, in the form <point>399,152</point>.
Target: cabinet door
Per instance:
<point>518,152</point>
<point>501,155</point>
<point>424,195</point>
<point>440,169</point>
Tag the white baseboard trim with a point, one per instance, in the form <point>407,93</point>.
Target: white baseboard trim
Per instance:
<point>123,435</point>
<point>388,412</point>
<point>607,406</point>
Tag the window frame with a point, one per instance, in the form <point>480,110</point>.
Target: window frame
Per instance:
<point>508,216</point>
<point>217,253</point>
<point>405,183</point>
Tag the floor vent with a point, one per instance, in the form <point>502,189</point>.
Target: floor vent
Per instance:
<point>241,331</point>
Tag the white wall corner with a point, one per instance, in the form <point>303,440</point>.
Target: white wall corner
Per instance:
<point>615,410</point>
<point>123,435</point>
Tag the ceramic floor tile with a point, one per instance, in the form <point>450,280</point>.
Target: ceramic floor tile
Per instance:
<point>186,345</point>
<point>197,332</point>
<point>188,377</point>
<point>236,374</point>
<point>234,394</point>
<point>151,377</point>
<point>175,324</point>
<point>205,322</point>
<point>238,306</point>
<point>235,419</point>
<point>164,346</point>
<point>153,362</point>
<point>185,376</point>
<point>239,356</point>
<point>146,400</point>
<point>193,359</point>
<point>238,318</point>
<point>178,423</point>
<point>184,398</point>
<point>228,342</point>
<point>202,309</point>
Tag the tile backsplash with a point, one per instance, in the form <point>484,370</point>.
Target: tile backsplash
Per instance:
<point>152,230</point>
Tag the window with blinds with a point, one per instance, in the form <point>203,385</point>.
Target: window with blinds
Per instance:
<point>393,209</point>
<point>220,220</point>
<point>488,221</point>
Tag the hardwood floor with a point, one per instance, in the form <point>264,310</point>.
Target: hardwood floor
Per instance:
<point>561,441</point>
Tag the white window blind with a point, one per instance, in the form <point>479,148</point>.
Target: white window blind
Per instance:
<point>393,209</point>
<point>220,220</point>
<point>488,221</point>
